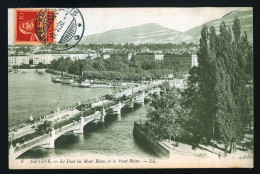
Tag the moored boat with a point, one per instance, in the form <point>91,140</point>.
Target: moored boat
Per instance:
<point>100,85</point>
<point>85,84</point>
<point>75,84</point>
<point>66,80</point>
<point>55,79</point>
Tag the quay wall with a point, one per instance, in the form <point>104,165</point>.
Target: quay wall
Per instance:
<point>150,142</point>
<point>59,73</point>
<point>30,70</point>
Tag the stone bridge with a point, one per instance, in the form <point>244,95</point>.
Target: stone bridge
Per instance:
<point>48,140</point>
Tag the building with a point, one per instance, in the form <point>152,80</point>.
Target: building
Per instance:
<point>194,60</point>
<point>73,56</point>
<point>47,58</point>
<point>158,57</point>
<point>130,56</point>
<point>18,60</point>
<point>143,57</point>
<point>42,58</point>
<point>158,52</point>
<point>106,56</point>
<point>181,60</point>
<point>107,50</point>
<point>91,54</point>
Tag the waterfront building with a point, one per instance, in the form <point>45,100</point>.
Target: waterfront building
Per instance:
<point>47,58</point>
<point>42,58</point>
<point>18,60</point>
<point>73,57</point>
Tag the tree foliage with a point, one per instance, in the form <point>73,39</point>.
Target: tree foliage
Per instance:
<point>217,96</point>
<point>166,116</point>
<point>118,67</point>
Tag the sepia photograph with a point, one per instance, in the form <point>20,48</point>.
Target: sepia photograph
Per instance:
<point>130,88</point>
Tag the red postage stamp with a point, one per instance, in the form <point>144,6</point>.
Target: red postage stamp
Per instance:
<point>25,27</point>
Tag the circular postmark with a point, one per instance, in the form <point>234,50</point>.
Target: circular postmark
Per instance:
<point>61,29</point>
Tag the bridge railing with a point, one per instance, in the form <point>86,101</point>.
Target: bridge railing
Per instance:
<point>73,124</point>
<point>91,117</point>
<point>66,127</point>
<point>31,142</point>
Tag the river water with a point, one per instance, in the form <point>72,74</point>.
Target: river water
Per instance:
<point>35,93</point>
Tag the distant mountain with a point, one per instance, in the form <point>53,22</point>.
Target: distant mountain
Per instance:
<point>246,21</point>
<point>146,33</point>
<point>154,33</point>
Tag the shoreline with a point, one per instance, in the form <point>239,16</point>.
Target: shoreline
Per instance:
<point>166,150</point>
<point>29,70</point>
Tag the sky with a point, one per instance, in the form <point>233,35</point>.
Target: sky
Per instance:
<point>99,20</point>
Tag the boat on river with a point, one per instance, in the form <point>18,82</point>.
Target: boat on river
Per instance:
<point>85,84</point>
<point>100,85</point>
<point>66,80</point>
<point>75,84</point>
<point>55,79</point>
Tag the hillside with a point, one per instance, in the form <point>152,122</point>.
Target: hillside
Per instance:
<point>245,17</point>
<point>146,33</point>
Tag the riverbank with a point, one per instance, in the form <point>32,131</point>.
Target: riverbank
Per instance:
<point>141,135</point>
<point>27,70</point>
<point>203,156</point>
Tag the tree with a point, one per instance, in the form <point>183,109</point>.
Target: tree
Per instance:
<point>217,97</point>
<point>201,103</point>
<point>41,65</point>
<point>165,115</point>
<point>24,66</point>
<point>232,99</point>
<point>99,65</point>
<point>192,104</point>
<point>236,29</point>
<point>226,107</point>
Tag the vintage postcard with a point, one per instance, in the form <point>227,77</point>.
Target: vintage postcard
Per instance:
<point>130,88</point>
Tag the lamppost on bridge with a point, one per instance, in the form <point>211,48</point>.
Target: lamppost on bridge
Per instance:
<point>213,135</point>
<point>12,135</point>
<point>141,118</point>
<point>52,125</point>
<point>11,149</point>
